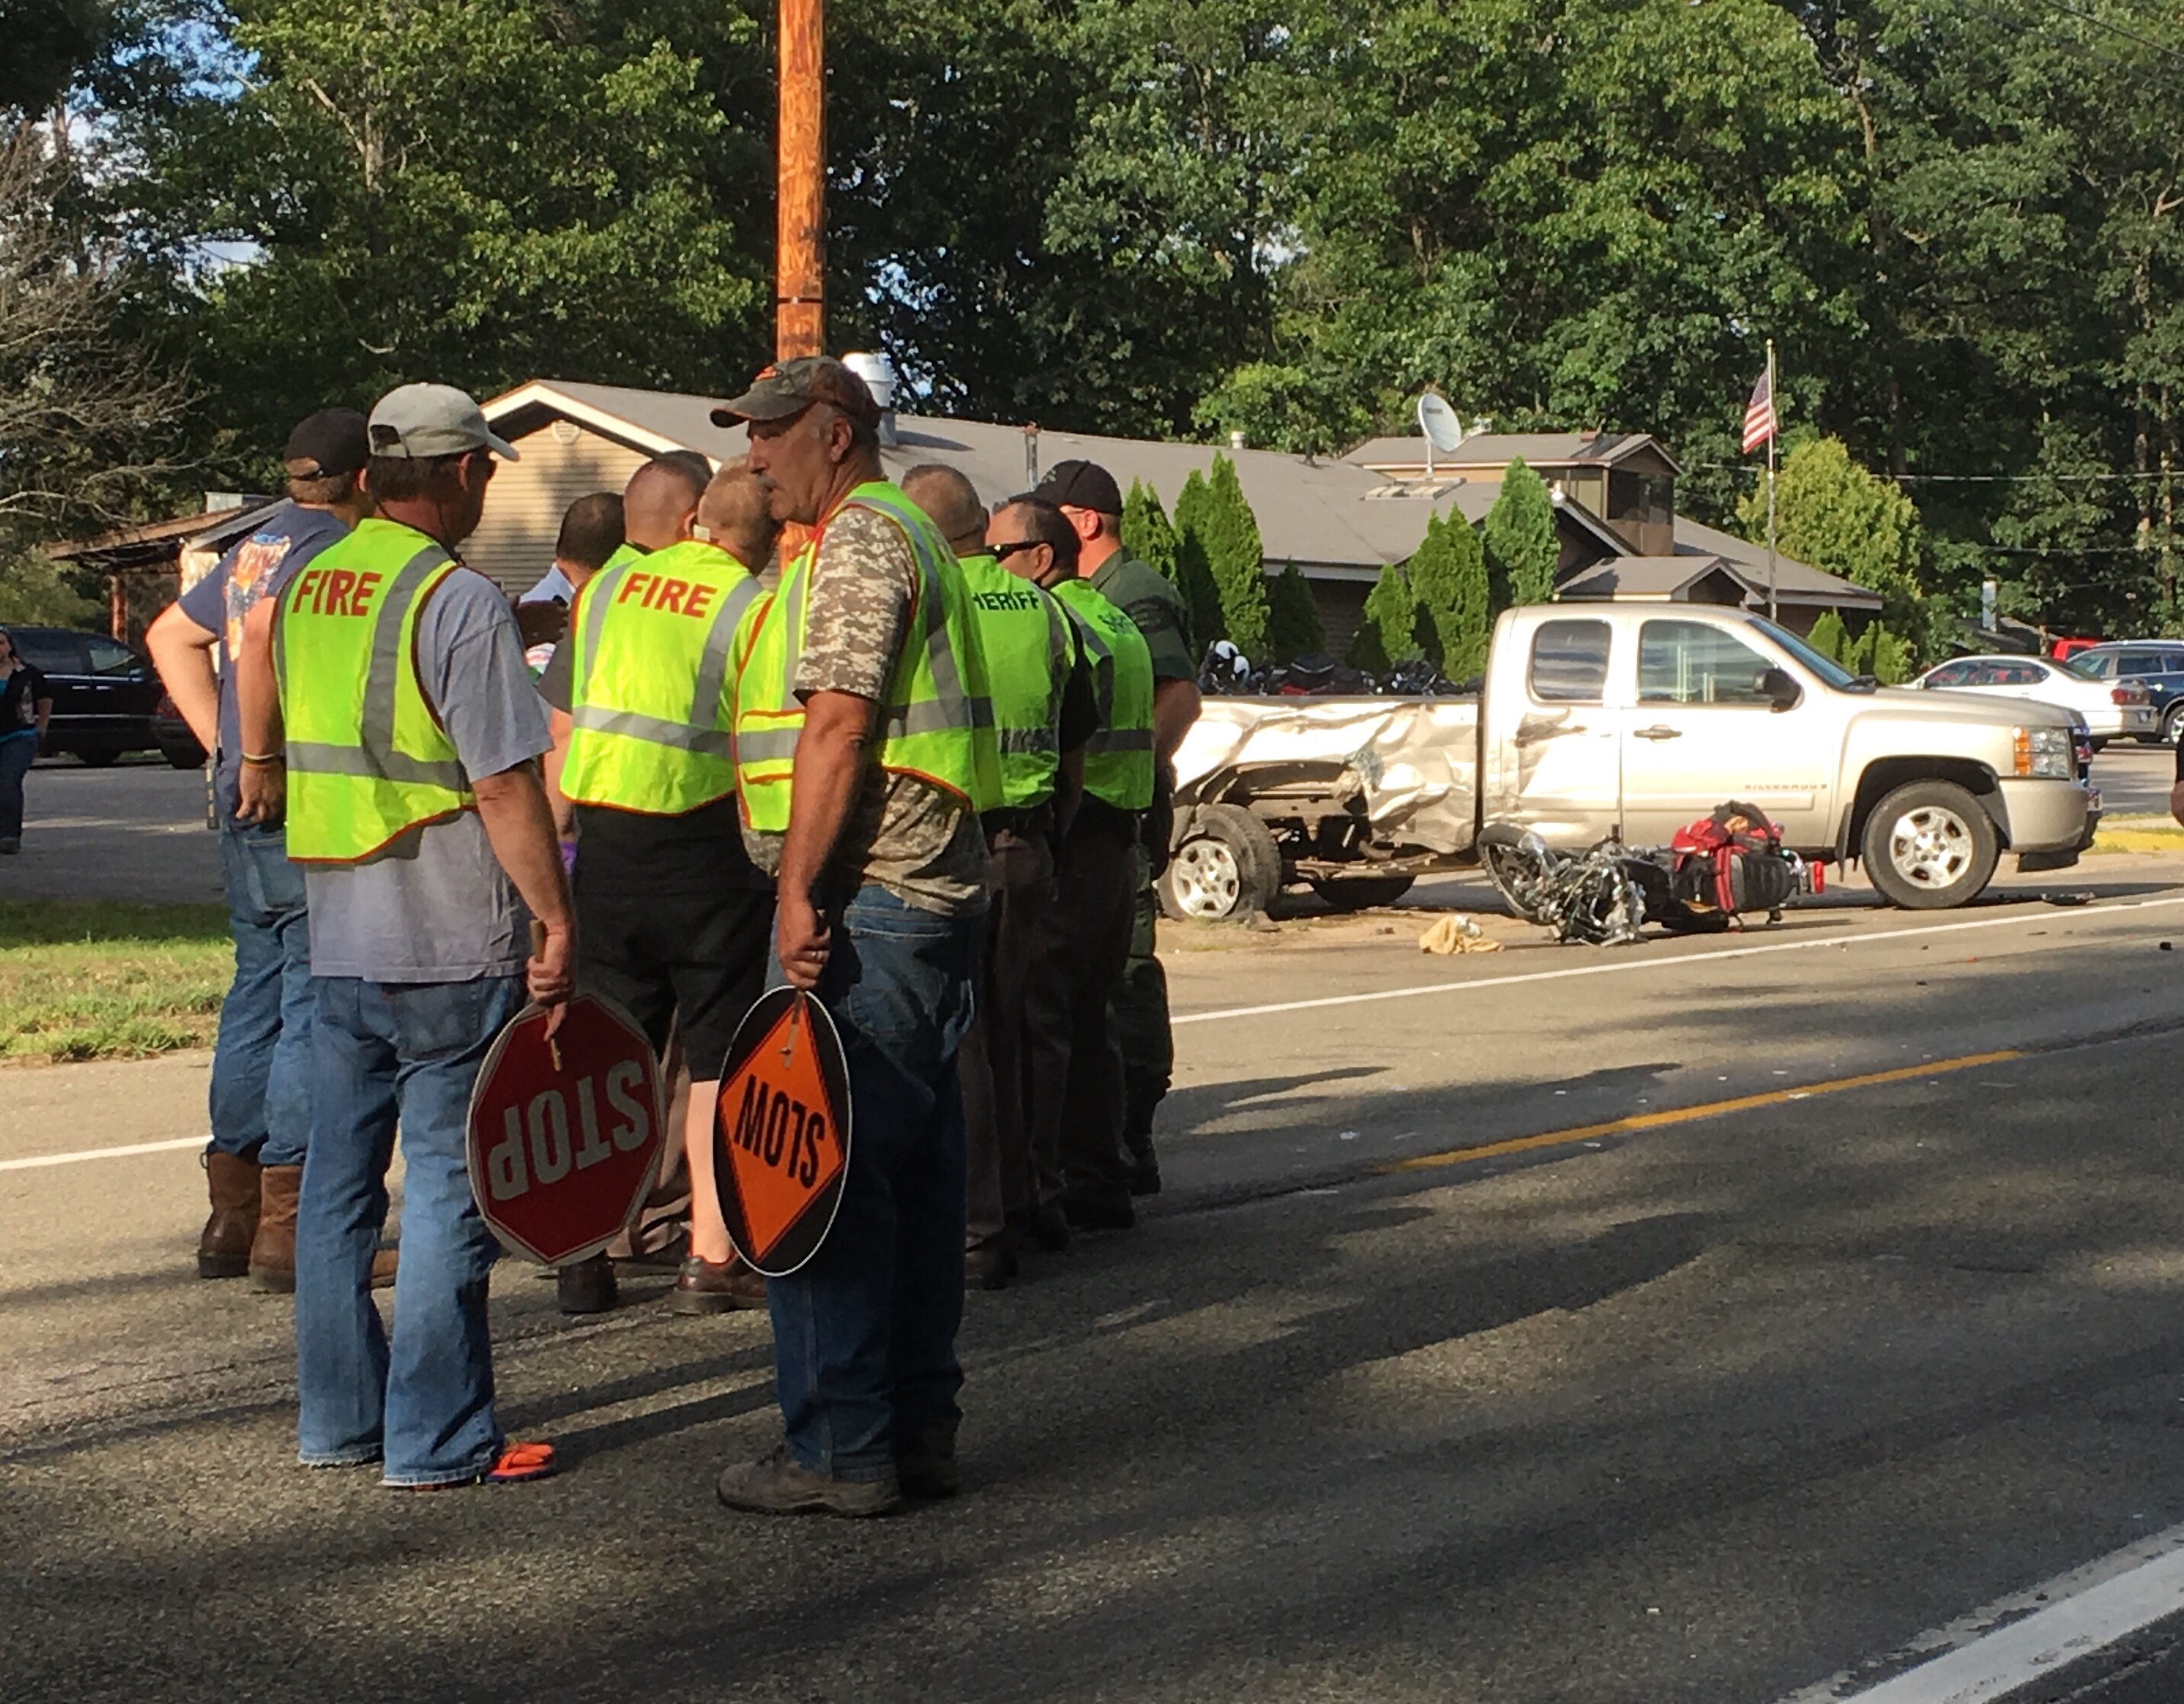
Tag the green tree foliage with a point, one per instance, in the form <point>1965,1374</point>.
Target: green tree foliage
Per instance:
<point>1294,628</point>
<point>1892,662</point>
<point>1236,559</point>
<point>1388,632</point>
<point>1858,655</point>
<point>1146,534</point>
<point>1828,636</point>
<point>1519,535</point>
<point>1193,567</point>
<point>1447,574</point>
<point>1833,515</point>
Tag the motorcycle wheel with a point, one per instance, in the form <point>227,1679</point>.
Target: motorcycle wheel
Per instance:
<point>1516,873</point>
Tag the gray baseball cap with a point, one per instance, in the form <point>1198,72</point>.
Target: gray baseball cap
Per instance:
<point>423,420</point>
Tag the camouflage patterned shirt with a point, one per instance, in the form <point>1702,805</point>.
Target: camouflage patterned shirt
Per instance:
<point>918,841</point>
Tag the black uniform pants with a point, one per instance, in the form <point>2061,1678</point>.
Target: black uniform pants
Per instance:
<point>1077,1100</point>
<point>685,965</point>
<point>1000,1190</point>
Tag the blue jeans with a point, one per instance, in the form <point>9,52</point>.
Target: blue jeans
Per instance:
<point>865,1335</point>
<point>380,1051</point>
<point>17,753</point>
<point>261,1066</point>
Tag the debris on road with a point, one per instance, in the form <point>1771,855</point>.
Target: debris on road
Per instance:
<point>1457,933</point>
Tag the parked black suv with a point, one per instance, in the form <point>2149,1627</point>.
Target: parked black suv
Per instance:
<point>104,692</point>
<point>2157,665</point>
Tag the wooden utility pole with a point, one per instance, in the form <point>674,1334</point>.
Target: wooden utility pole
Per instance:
<point>800,298</point>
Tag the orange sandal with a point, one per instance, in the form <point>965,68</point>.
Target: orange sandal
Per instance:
<point>515,1464</point>
<point>518,1463</point>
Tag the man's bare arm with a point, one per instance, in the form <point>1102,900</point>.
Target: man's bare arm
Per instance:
<point>559,724</point>
<point>262,789</point>
<point>181,651</point>
<point>830,758</point>
<point>1175,707</point>
<point>512,806</point>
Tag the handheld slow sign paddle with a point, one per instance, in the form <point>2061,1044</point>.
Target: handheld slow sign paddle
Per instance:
<point>781,1132</point>
<point>567,1135</point>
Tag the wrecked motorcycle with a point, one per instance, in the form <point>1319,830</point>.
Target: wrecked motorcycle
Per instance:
<point>1606,893</point>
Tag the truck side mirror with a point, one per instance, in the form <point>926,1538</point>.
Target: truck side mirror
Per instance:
<point>1784,692</point>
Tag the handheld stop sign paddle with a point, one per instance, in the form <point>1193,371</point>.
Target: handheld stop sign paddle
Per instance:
<point>567,1135</point>
<point>781,1132</point>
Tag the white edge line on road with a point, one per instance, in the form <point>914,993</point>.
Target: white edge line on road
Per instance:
<point>2071,1618</point>
<point>83,1154</point>
<point>1804,943</point>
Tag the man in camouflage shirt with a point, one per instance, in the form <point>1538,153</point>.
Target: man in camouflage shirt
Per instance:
<point>882,879</point>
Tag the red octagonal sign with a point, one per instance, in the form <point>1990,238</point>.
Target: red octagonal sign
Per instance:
<point>565,1136</point>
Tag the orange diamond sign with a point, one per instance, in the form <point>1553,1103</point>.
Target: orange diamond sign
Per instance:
<point>781,1132</point>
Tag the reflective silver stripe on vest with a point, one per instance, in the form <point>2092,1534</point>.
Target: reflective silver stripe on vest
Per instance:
<point>374,755</point>
<point>310,757</point>
<point>720,640</point>
<point>601,590</point>
<point>769,746</point>
<point>1029,742</point>
<point>707,742</point>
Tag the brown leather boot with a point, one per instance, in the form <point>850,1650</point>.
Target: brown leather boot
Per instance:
<point>273,1249</point>
<point>224,1249</point>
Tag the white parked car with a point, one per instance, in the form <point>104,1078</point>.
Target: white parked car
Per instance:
<point>2113,709</point>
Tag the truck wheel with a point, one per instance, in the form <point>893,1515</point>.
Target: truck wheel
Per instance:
<point>2172,725</point>
<point>1361,893</point>
<point>1227,866</point>
<point>1929,845</point>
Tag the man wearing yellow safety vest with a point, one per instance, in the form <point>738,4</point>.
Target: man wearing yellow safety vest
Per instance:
<point>865,753</point>
<point>1043,714</point>
<point>1077,1104</point>
<point>672,919</point>
<point>1087,495</point>
<point>406,738</point>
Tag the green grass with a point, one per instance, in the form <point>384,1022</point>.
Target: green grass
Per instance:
<point>98,979</point>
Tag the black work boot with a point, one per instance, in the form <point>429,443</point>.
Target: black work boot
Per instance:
<point>588,1286</point>
<point>780,1485</point>
<point>925,1464</point>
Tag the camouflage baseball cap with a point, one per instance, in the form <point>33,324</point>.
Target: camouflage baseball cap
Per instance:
<point>787,388</point>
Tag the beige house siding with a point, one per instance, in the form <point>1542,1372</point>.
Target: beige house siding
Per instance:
<point>559,463</point>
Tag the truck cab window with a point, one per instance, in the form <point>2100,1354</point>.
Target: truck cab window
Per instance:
<point>1569,663</point>
<point>1692,663</point>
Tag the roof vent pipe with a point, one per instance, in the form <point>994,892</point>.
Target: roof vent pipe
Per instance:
<point>880,376</point>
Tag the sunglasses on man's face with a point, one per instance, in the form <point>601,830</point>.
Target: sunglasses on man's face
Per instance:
<point>1003,552</point>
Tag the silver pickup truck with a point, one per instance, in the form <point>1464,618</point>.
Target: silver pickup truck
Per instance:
<point>1629,721</point>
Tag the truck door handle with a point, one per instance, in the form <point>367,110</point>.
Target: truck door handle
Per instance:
<point>1657,732</point>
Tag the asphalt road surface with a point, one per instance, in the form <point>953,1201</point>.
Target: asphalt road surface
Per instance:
<point>1711,1320</point>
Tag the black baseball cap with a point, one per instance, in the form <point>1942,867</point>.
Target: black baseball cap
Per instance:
<point>327,445</point>
<point>1081,485</point>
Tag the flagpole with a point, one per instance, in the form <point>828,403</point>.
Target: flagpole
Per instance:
<point>1774,426</point>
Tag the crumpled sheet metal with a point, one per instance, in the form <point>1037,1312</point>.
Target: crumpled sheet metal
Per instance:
<point>1416,759</point>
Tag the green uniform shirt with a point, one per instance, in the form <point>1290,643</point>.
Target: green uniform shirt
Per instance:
<point>1157,608</point>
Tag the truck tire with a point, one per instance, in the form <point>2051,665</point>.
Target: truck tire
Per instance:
<point>1361,893</point>
<point>1227,866</point>
<point>1930,846</point>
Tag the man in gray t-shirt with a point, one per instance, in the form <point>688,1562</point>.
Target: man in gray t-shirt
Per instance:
<point>421,893</point>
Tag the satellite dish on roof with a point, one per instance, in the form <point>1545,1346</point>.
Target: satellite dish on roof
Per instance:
<point>1444,431</point>
<point>1438,420</point>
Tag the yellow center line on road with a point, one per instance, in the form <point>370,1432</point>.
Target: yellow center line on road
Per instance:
<point>1686,1115</point>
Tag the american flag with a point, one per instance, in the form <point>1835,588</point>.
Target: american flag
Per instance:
<point>1759,415</point>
